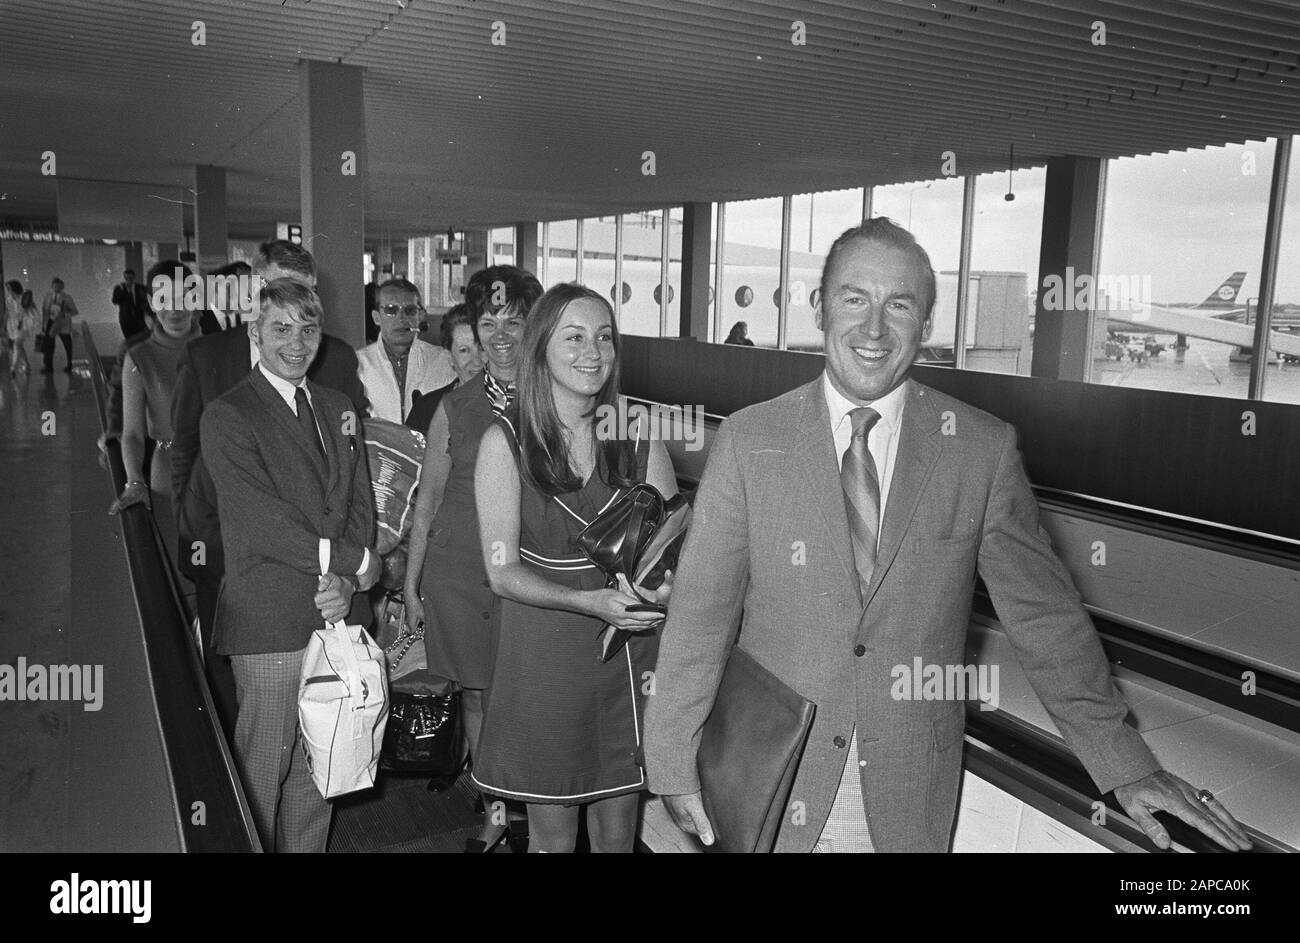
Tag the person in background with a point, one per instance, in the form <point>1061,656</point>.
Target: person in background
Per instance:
<point>132,302</point>
<point>456,333</point>
<point>372,329</point>
<point>209,367</point>
<point>58,309</point>
<point>231,298</point>
<point>21,317</point>
<point>114,430</point>
<point>11,302</point>
<point>460,611</point>
<point>563,727</point>
<point>400,364</point>
<point>293,490</point>
<point>739,335</point>
<point>148,385</point>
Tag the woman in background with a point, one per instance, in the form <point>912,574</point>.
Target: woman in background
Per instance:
<point>148,382</point>
<point>446,587</point>
<point>21,318</point>
<point>456,333</point>
<point>562,728</point>
<point>739,335</point>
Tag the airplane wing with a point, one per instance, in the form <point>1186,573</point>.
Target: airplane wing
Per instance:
<point>1185,321</point>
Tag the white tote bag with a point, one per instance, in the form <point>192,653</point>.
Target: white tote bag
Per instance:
<point>342,705</point>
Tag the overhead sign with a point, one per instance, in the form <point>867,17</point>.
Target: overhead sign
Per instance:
<point>290,231</point>
<point>137,212</point>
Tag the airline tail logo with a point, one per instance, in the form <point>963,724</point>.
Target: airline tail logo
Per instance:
<point>1226,294</point>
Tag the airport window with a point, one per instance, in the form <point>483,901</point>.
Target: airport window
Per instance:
<point>503,245</point>
<point>713,271</point>
<point>671,317</point>
<point>1282,373</point>
<point>816,220</point>
<point>642,252</point>
<point>1178,281</point>
<point>434,271</point>
<point>597,253</point>
<point>562,263</point>
<point>1005,237</point>
<point>752,262</point>
<point>931,210</point>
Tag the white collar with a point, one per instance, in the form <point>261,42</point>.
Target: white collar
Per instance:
<point>286,389</point>
<point>889,406</point>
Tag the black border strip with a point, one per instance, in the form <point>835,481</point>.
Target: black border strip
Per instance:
<point>200,763</point>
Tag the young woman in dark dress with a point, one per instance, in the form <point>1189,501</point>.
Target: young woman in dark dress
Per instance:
<point>562,729</point>
<point>445,584</point>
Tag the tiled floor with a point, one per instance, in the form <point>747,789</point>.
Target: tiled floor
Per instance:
<point>401,815</point>
<point>71,779</point>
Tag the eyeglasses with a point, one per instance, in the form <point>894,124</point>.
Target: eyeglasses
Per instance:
<point>405,311</point>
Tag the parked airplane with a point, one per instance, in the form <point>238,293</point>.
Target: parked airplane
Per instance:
<point>1217,318</point>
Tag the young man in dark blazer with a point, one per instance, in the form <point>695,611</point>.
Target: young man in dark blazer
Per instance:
<point>210,366</point>
<point>293,488</point>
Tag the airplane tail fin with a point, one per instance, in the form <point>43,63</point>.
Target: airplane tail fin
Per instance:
<point>1225,296</point>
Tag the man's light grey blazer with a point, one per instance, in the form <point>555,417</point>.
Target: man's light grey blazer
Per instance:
<point>770,540</point>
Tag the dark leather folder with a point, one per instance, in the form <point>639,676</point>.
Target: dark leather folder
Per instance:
<point>749,751</point>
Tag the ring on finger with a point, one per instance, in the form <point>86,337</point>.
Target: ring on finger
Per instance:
<point>1205,797</point>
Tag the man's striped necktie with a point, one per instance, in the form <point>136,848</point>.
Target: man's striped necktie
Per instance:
<point>862,494</point>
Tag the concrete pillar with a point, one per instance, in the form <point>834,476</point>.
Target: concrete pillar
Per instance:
<point>211,234</point>
<point>1071,225</point>
<point>332,170</point>
<point>697,233</point>
<point>526,246</point>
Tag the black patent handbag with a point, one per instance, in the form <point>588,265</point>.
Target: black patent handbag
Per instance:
<point>622,541</point>
<point>614,539</point>
<point>424,716</point>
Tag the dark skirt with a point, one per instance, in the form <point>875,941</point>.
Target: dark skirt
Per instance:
<point>560,726</point>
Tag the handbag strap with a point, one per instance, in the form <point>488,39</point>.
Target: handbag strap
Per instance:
<point>643,497</point>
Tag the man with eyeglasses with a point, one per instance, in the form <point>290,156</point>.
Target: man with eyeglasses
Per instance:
<point>399,364</point>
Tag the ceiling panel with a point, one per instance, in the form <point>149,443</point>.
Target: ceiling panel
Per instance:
<point>553,124</point>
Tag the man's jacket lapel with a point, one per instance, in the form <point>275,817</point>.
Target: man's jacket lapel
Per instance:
<point>918,449</point>
<point>820,476</point>
<point>284,415</point>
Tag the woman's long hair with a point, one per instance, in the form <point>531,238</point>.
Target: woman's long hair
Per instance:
<point>546,462</point>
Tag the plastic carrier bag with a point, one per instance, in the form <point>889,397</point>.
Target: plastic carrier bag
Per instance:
<point>342,705</point>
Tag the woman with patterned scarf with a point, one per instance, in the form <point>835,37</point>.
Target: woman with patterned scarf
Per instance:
<point>446,584</point>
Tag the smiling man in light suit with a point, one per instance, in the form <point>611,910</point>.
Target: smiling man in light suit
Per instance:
<point>847,520</point>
